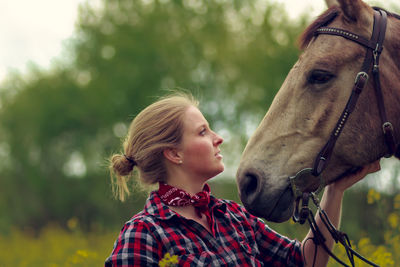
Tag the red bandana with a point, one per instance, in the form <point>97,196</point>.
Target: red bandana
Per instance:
<point>173,196</point>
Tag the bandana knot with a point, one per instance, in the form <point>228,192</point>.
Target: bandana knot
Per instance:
<point>173,196</point>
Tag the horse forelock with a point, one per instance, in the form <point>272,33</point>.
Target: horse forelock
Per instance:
<point>323,20</point>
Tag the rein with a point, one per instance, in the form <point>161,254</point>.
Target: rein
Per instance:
<point>302,212</point>
<point>338,236</point>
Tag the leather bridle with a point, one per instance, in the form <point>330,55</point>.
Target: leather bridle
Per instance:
<point>374,50</point>
<point>374,47</point>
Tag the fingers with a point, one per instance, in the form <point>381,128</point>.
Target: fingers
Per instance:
<point>351,179</point>
<point>367,169</point>
<point>374,166</point>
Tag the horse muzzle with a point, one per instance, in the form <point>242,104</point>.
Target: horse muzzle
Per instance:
<point>274,202</point>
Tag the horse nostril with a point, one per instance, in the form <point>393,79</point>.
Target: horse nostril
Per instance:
<point>250,186</point>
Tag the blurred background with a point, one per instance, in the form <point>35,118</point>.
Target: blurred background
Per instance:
<point>74,73</point>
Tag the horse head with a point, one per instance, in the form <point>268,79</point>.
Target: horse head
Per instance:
<point>308,105</point>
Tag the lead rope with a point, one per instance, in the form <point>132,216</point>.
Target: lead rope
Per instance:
<point>319,239</point>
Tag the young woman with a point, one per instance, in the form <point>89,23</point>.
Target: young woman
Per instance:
<point>171,143</point>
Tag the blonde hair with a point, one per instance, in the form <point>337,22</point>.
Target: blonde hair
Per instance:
<point>157,127</point>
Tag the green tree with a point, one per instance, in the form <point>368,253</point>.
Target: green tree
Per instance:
<point>58,127</point>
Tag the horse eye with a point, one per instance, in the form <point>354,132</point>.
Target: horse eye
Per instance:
<point>319,77</point>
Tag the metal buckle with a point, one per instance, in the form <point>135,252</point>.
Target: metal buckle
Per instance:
<point>301,214</point>
<point>387,126</point>
<point>300,182</point>
<point>361,73</point>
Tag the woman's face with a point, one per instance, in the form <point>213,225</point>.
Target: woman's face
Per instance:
<point>200,146</point>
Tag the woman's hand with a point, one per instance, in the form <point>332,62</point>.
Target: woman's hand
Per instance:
<point>353,178</point>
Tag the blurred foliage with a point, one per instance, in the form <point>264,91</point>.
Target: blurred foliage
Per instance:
<point>58,127</point>
<point>387,253</point>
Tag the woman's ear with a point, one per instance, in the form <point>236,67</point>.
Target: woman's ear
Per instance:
<point>173,155</point>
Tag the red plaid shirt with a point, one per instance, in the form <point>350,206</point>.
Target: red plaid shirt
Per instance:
<point>237,239</point>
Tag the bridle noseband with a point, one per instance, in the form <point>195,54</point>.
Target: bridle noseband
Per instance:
<point>374,48</point>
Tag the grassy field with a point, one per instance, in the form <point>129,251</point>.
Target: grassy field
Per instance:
<point>55,246</point>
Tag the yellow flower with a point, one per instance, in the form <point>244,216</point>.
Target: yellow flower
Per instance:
<point>168,260</point>
<point>365,244</point>
<point>373,196</point>
<point>82,253</point>
<point>393,220</point>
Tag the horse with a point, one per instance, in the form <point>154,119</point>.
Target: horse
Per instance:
<point>308,111</point>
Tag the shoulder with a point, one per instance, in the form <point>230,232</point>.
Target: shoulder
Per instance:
<point>136,229</point>
<point>141,222</point>
<point>136,245</point>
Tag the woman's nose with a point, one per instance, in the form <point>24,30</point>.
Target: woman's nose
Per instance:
<point>218,139</point>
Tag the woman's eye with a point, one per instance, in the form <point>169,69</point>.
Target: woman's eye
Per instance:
<point>203,132</point>
<point>319,77</point>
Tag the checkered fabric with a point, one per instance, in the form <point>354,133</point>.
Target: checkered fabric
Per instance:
<point>237,238</point>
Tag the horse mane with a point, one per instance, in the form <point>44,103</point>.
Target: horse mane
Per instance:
<point>323,20</point>
<point>395,44</point>
<point>390,14</point>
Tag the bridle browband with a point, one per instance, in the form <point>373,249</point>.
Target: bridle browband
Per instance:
<point>374,47</point>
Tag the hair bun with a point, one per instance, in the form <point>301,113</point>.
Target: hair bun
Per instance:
<point>131,161</point>
<point>122,165</point>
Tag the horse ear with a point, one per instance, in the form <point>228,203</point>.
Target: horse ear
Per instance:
<point>331,3</point>
<point>351,8</point>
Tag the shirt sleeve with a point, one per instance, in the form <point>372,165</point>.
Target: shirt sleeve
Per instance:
<point>274,249</point>
<point>277,248</point>
<point>135,246</point>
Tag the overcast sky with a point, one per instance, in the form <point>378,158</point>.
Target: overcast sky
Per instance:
<point>34,30</point>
